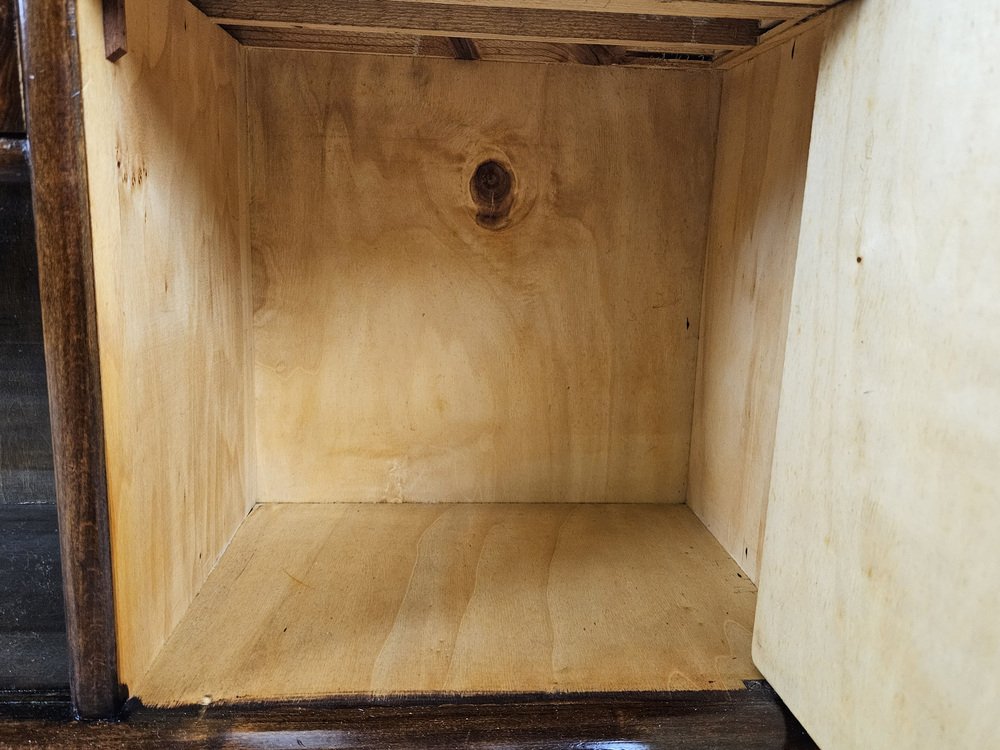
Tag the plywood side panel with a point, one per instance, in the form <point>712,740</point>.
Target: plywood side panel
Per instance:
<point>877,621</point>
<point>406,353</point>
<point>760,173</point>
<point>383,600</point>
<point>162,128</point>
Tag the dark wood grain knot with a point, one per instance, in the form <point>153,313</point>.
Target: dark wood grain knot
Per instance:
<point>492,187</point>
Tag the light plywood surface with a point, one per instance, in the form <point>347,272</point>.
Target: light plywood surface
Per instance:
<point>372,600</point>
<point>760,174</point>
<point>406,353</point>
<point>879,598</point>
<point>171,274</point>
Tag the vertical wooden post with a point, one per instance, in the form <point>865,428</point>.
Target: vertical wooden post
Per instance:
<point>51,60</point>
<point>11,112</point>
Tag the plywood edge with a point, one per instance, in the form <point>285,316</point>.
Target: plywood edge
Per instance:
<point>250,436</point>
<point>761,156</point>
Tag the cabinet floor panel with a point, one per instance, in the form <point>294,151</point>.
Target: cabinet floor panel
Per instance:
<point>380,600</point>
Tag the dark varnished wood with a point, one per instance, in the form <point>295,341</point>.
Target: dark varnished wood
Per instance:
<point>488,22</point>
<point>50,57</point>
<point>114,29</point>
<point>11,112</point>
<point>751,720</point>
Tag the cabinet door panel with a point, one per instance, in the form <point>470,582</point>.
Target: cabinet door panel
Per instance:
<point>879,599</point>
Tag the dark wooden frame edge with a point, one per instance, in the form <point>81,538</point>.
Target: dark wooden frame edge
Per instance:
<point>50,57</point>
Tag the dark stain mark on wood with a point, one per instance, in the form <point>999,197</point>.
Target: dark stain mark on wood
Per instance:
<point>492,187</point>
<point>465,49</point>
<point>114,29</point>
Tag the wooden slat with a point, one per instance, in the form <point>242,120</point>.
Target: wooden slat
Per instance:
<point>342,41</point>
<point>494,50</point>
<point>761,9</point>
<point>879,585</point>
<point>435,19</point>
<point>428,359</point>
<point>760,171</point>
<point>388,600</point>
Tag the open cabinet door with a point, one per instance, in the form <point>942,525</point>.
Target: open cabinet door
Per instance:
<point>878,618</point>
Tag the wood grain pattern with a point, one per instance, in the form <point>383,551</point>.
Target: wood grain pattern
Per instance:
<point>164,159</point>
<point>883,538</point>
<point>52,78</point>
<point>751,719</point>
<point>11,108</point>
<point>761,9</point>
<point>676,33</point>
<point>376,600</point>
<point>760,174</point>
<point>766,10</point>
<point>115,31</point>
<point>404,353</point>
<point>494,50</point>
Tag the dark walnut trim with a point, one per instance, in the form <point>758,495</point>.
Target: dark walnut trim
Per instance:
<point>50,55</point>
<point>752,719</point>
<point>11,112</point>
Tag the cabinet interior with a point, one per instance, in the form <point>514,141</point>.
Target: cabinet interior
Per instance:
<point>442,357</point>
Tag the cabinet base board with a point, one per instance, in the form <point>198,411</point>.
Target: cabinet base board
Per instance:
<point>369,601</point>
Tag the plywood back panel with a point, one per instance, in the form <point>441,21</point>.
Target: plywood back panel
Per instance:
<point>163,137</point>
<point>406,353</point>
<point>877,618</point>
<point>760,174</point>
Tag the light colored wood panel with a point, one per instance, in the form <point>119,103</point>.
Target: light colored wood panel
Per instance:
<point>760,174</point>
<point>374,600</point>
<point>405,353</point>
<point>879,598</point>
<point>478,22</point>
<point>162,131</point>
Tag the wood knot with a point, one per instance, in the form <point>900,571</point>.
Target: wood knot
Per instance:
<point>492,187</point>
